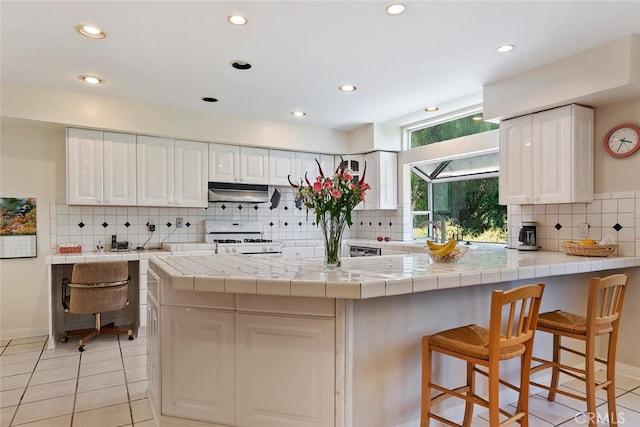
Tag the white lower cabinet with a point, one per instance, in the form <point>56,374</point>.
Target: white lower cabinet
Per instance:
<point>240,360</point>
<point>153,350</point>
<point>198,366</point>
<point>285,371</point>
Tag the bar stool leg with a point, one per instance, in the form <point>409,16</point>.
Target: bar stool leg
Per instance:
<point>494,393</point>
<point>590,372</point>
<point>426,381</point>
<point>523,398</point>
<point>471,391</point>
<point>555,370</point>
<point>611,378</point>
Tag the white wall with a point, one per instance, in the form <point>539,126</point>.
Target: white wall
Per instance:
<point>90,111</point>
<point>612,174</point>
<point>599,76</point>
<point>32,159</point>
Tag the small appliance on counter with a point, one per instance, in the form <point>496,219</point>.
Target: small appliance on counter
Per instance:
<point>117,246</point>
<point>528,236</point>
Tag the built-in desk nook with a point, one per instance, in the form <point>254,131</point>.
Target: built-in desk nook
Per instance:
<point>61,265</point>
<point>240,340</point>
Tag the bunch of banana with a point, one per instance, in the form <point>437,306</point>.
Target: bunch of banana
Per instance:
<point>443,249</point>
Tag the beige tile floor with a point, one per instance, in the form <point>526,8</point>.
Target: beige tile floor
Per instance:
<point>105,386</point>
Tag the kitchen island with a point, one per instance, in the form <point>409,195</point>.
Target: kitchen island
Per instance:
<point>260,341</point>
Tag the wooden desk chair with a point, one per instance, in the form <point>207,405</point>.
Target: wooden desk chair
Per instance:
<point>95,288</point>
<point>604,306</point>
<point>512,324</point>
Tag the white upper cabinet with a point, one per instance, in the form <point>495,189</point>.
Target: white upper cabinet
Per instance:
<point>355,162</point>
<point>119,169</point>
<point>547,157</point>
<point>284,163</point>
<point>224,163</point>
<point>190,169</point>
<point>230,163</point>
<point>382,176</point>
<point>516,161</point>
<point>328,163</point>
<point>254,165</point>
<point>171,173</point>
<point>306,164</point>
<point>155,171</point>
<point>100,168</point>
<point>281,165</point>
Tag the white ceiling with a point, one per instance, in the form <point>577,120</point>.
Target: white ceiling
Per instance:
<point>173,53</point>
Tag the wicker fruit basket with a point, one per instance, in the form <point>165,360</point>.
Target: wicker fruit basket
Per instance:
<point>454,256</point>
<point>571,248</point>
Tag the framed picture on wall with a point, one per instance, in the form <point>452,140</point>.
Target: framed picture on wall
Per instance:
<point>18,228</point>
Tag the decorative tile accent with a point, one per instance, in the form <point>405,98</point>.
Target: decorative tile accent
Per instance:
<point>81,224</point>
<point>223,207</point>
<point>105,225</point>
<point>255,207</point>
<point>188,224</point>
<point>239,207</point>
<point>617,227</point>
<point>558,226</point>
<point>127,224</point>
<point>168,225</point>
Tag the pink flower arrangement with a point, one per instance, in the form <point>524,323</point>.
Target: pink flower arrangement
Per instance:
<point>336,194</point>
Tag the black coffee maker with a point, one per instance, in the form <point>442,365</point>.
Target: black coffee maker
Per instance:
<point>528,236</point>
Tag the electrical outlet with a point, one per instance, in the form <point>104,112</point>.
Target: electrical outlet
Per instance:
<point>583,230</point>
<point>179,222</point>
<point>152,225</point>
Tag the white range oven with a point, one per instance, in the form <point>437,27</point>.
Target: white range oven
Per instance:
<point>240,237</point>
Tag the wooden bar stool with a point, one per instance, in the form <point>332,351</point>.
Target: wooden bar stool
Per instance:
<point>512,324</point>
<point>604,306</point>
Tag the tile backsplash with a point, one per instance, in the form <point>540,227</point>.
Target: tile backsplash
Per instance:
<point>93,225</point>
<point>613,214</point>
<point>616,214</point>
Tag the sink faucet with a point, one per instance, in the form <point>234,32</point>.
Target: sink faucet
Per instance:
<point>442,226</point>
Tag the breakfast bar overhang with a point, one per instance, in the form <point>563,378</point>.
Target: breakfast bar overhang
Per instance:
<point>239,340</point>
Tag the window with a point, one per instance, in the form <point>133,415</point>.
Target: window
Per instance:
<point>443,131</point>
<point>461,191</point>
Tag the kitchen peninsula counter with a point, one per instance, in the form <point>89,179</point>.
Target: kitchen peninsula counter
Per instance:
<point>369,277</point>
<point>255,341</point>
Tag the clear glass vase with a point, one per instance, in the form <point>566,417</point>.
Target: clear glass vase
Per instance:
<point>332,225</point>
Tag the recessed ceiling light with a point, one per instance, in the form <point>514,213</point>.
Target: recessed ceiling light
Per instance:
<point>241,65</point>
<point>505,48</point>
<point>347,88</point>
<point>92,80</point>
<point>298,113</point>
<point>91,31</point>
<point>237,20</point>
<point>209,99</point>
<point>431,109</point>
<point>396,8</point>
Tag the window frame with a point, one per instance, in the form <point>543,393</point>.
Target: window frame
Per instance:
<point>406,144</point>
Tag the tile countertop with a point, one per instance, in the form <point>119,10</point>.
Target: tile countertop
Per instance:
<point>77,258</point>
<point>369,277</point>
